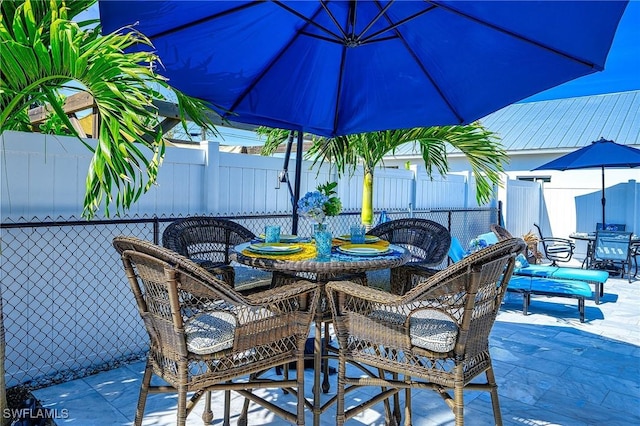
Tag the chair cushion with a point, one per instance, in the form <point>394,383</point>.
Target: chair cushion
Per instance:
<point>428,328</point>
<point>456,252</point>
<point>545,271</point>
<point>560,287</point>
<point>433,330</point>
<point>519,283</point>
<point>490,238</point>
<point>521,261</point>
<point>210,332</point>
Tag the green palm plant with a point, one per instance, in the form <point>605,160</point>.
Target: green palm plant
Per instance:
<point>44,52</point>
<point>480,146</point>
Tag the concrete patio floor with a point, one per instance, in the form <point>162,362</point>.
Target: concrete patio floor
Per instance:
<point>551,370</point>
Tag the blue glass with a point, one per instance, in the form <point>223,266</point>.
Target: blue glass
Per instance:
<point>357,234</point>
<point>271,234</point>
<point>323,245</point>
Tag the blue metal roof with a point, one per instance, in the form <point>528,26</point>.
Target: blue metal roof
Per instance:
<point>563,124</point>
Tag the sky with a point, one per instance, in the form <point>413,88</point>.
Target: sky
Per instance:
<point>621,72</point>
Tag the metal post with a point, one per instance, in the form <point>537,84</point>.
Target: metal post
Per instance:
<point>296,187</point>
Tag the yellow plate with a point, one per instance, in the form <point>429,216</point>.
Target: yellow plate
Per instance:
<point>284,238</point>
<point>367,238</point>
<point>362,250</point>
<point>274,248</point>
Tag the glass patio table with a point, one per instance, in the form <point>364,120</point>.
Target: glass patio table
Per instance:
<point>302,264</point>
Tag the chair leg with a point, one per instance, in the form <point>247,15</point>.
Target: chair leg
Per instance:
<point>242,419</point>
<point>227,408</point>
<point>407,405</point>
<point>495,403</point>
<point>144,391</point>
<point>207,414</point>
<point>391,417</point>
<point>458,396</point>
<point>182,406</point>
<point>300,387</point>
<point>340,392</point>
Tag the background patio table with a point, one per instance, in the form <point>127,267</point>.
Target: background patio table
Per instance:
<point>340,266</point>
<point>590,238</point>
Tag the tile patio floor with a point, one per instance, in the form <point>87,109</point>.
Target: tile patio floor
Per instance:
<point>550,368</point>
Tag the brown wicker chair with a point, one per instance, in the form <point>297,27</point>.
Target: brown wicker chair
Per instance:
<point>207,241</point>
<point>500,232</point>
<point>205,335</point>
<point>531,251</point>
<point>428,242</point>
<point>436,335</point>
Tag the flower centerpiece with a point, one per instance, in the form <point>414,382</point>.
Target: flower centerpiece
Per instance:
<point>317,205</point>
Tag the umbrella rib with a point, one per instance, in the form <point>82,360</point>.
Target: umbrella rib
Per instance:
<point>393,26</point>
<point>339,89</point>
<point>201,20</point>
<point>311,20</point>
<point>520,37</point>
<point>374,20</point>
<point>274,60</point>
<point>424,70</point>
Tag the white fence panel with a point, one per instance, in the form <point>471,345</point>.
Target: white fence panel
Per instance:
<point>442,191</point>
<point>522,206</point>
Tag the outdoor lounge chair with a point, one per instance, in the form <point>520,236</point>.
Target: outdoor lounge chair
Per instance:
<point>435,336</point>
<point>427,241</point>
<point>555,275</point>
<point>204,335</point>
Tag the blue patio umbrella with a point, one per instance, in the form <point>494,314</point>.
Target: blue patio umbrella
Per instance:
<point>598,154</point>
<point>342,67</point>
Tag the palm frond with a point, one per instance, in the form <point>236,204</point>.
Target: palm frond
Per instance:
<point>42,50</point>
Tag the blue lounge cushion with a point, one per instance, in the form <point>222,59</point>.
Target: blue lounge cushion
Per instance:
<point>456,252</point>
<point>490,238</point>
<point>521,261</point>
<point>545,271</point>
<point>554,286</point>
<point>519,283</point>
<point>581,274</point>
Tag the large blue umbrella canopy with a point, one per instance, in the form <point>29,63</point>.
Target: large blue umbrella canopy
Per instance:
<point>600,154</point>
<point>341,67</point>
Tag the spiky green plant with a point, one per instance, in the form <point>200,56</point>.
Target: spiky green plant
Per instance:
<point>43,52</point>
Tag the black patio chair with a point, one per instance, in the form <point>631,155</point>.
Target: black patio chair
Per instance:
<point>556,249</point>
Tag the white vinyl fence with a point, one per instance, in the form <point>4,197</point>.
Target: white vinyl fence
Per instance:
<point>44,176</point>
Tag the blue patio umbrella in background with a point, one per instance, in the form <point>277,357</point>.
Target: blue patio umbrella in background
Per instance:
<point>598,154</point>
<point>342,67</point>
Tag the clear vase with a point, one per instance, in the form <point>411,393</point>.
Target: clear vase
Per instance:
<point>323,239</point>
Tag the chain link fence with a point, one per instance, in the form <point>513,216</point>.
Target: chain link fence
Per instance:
<point>67,306</point>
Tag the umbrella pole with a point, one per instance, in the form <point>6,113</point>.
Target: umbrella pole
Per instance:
<point>296,184</point>
<point>604,201</point>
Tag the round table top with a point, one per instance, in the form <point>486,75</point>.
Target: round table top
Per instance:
<point>339,262</point>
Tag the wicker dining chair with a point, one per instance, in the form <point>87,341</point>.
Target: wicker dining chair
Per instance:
<point>207,241</point>
<point>436,336</point>
<point>204,336</point>
<point>427,241</point>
